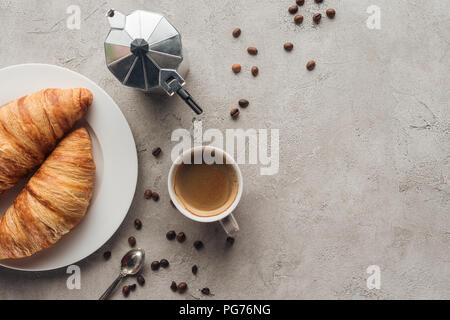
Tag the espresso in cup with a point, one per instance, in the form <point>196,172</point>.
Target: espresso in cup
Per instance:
<point>206,190</point>
<point>205,185</point>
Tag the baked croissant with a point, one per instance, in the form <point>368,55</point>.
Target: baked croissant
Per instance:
<point>53,202</point>
<point>31,126</point>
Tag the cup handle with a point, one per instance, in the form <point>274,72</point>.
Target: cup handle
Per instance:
<point>230,225</point>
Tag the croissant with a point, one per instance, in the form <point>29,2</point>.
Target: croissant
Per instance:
<point>53,202</point>
<point>31,126</point>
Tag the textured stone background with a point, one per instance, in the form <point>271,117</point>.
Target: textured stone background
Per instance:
<point>365,157</point>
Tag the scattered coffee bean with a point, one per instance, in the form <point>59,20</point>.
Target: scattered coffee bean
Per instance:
<point>155,265</point>
<point>182,287</point>
<point>300,2</point>
<point>252,50</point>
<point>198,245</point>
<point>288,46</point>
<point>236,68</point>
<point>138,224</point>
<point>172,204</point>
<point>174,286</point>
<point>164,263</point>
<point>293,9</point>
<point>298,19</point>
<point>132,241</point>
<point>311,65</point>
<point>317,17</point>
<point>171,235</point>
<point>234,113</point>
<point>318,1</point>
<point>181,237</point>
<point>148,194</point>
<point>230,241</point>
<point>126,291</point>
<point>141,280</point>
<point>132,286</point>
<point>236,32</point>
<point>156,152</point>
<point>255,71</point>
<point>155,196</point>
<point>194,270</point>
<point>107,255</point>
<point>331,13</point>
<point>206,291</point>
<point>243,103</point>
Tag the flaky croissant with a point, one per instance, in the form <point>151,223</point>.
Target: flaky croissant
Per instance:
<point>53,202</point>
<point>31,126</point>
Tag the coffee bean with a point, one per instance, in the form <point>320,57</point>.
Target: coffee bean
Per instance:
<point>311,65</point>
<point>300,2</point>
<point>138,224</point>
<point>236,32</point>
<point>235,113</point>
<point>318,1</point>
<point>181,237</point>
<point>148,194</point>
<point>132,286</point>
<point>172,204</point>
<point>317,17</point>
<point>155,265</point>
<point>236,68</point>
<point>182,287</point>
<point>255,71</point>
<point>298,19</point>
<point>141,280</point>
<point>171,235</point>
<point>288,46</point>
<point>155,196</point>
<point>331,13</point>
<point>107,255</point>
<point>243,103</point>
<point>132,241</point>
<point>198,245</point>
<point>126,291</point>
<point>230,241</point>
<point>252,50</point>
<point>164,263</point>
<point>293,9</point>
<point>194,270</point>
<point>156,152</point>
<point>206,291</point>
<point>174,286</point>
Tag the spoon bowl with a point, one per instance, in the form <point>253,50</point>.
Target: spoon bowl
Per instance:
<point>132,262</point>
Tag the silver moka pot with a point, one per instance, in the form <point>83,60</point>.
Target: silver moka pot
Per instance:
<point>143,50</point>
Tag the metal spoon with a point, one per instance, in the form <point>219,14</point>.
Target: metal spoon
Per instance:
<point>132,263</point>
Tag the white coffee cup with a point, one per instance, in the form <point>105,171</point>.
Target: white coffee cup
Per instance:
<point>226,218</point>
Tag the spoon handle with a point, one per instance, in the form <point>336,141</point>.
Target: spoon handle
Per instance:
<point>112,287</point>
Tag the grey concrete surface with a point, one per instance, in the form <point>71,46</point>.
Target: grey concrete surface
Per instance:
<point>364,162</point>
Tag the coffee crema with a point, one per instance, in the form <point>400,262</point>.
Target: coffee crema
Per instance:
<point>206,190</point>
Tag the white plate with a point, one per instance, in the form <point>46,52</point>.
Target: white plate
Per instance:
<point>114,154</point>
